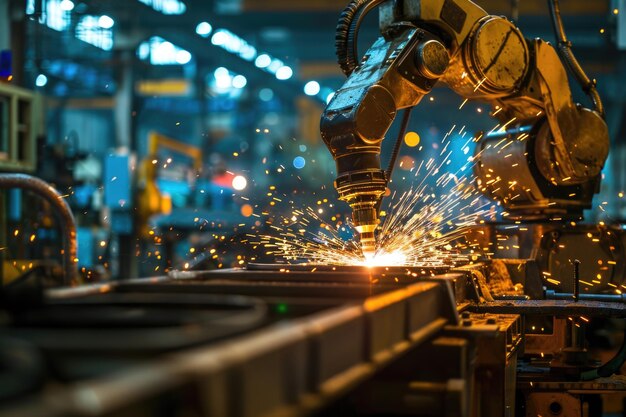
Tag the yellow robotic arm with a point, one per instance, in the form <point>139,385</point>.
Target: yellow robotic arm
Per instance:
<point>559,147</point>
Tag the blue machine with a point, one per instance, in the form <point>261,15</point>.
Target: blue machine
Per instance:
<point>117,183</point>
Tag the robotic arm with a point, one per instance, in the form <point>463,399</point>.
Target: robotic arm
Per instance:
<point>555,148</point>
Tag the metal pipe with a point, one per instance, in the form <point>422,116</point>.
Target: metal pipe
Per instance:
<point>62,211</point>
<point>615,298</point>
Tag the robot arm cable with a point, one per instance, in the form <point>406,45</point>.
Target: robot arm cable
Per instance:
<point>347,33</point>
<point>567,55</point>
<point>406,116</point>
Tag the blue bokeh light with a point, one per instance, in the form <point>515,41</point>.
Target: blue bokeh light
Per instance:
<point>299,162</point>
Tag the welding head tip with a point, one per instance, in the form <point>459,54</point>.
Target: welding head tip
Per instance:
<point>368,244</point>
<point>368,252</point>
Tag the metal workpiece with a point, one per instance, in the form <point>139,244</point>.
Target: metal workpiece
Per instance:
<point>467,367</point>
<point>439,386</point>
<point>558,308</point>
<point>61,210</point>
<point>496,363</point>
<point>307,351</point>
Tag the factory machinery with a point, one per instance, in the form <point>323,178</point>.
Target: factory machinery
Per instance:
<point>492,337</point>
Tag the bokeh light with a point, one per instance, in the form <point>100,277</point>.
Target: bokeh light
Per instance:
<point>412,139</point>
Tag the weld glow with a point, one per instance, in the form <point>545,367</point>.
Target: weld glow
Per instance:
<point>425,226</point>
<point>385,259</point>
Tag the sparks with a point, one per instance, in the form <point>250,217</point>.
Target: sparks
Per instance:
<point>423,226</point>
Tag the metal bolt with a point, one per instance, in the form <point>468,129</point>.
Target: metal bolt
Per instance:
<point>576,279</point>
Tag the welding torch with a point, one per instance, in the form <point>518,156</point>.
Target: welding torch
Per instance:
<point>355,122</point>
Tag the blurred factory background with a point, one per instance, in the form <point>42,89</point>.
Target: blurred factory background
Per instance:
<point>172,126</point>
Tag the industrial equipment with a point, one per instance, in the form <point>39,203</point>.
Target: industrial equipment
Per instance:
<point>556,148</point>
<point>514,334</point>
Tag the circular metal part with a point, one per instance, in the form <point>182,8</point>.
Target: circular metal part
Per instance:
<point>362,188</point>
<point>376,112</point>
<point>587,149</point>
<point>496,155</point>
<point>363,191</point>
<point>365,219</point>
<point>432,58</point>
<point>556,408</point>
<point>499,55</point>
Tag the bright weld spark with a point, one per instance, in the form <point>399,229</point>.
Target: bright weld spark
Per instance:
<point>425,226</point>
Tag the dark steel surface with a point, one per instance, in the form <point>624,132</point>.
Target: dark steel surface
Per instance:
<point>299,273</point>
<point>314,339</point>
<point>355,269</point>
<point>558,308</point>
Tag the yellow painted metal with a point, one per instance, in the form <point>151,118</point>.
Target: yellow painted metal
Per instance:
<point>14,268</point>
<point>166,87</point>
<point>150,201</point>
<point>157,141</point>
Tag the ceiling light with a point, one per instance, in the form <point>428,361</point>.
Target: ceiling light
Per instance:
<point>239,81</point>
<point>220,38</point>
<point>105,22</point>
<point>41,80</point>
<point>262,61</point>
<point>284,73</point>
<point>275,65</point>
<point>204,29</point>
<point>248,52</point>
<point>311,88</point>
<point>183,57</point>
<point>66,5</point>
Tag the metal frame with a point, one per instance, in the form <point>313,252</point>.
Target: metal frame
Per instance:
<point>27,121</point>
<point>292,367</point>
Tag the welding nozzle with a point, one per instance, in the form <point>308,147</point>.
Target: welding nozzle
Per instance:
<point>368,244</point>
<point>363,191</point>
<point>365,219</point>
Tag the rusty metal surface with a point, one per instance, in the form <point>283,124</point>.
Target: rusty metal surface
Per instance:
<point>558,308</point>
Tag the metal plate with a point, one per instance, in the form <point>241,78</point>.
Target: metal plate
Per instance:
<point>557,308</point>
<point>317,273</point>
